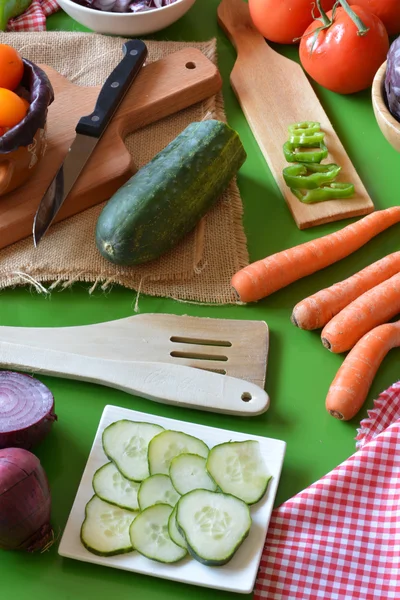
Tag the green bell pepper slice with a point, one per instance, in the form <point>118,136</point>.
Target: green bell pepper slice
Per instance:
<point>311,176</point>
<point>304,128</point>
<point>309,156</point>
<point>332,191</point>
<point>313,139</point>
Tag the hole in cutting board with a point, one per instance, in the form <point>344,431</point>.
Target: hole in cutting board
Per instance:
<point>246,396</point>
<point>190,65</point>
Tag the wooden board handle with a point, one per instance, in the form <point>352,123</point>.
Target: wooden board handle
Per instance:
<point>160,382</point>
<point>234,19</point>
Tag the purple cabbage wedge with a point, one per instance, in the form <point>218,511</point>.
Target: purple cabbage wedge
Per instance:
<point>26,410</point>
<point>392,79</point>
<point>40,95</point>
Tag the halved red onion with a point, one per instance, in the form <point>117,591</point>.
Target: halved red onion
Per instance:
<point>26,410</point>
<point>25,502</point>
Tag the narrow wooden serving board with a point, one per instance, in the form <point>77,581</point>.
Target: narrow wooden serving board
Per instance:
<point>274,92</point>
<point>162,88</point>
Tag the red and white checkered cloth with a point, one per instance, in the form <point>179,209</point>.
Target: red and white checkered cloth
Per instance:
<point>339,539</point>
<point>34,18</point>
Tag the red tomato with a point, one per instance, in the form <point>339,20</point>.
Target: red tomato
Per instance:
<point>12,108</point>
<point>283,21</point>
<point>341,60</point>
<point>11,67</point>
<point>387,10</point>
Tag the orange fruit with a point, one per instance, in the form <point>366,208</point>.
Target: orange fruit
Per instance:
<point>12,108</point>
<point>11,67</point>
<point>26,103</point>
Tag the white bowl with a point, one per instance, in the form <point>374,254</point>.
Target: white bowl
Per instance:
<point>126,24</point>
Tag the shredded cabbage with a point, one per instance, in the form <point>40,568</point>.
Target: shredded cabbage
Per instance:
<point>122,6</point>
<point>392,80</point>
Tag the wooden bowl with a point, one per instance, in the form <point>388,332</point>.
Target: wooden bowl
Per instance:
<point>389,126</point>
<point>16,167</point>
<point>23,146</point>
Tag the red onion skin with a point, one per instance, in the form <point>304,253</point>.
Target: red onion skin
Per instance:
<point>25,502</point>
<point>30,436</point>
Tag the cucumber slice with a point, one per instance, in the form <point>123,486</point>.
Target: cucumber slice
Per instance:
<point>125,443</point>
<point>238,468</point>
<point>157,489</point>
<point>111,486</point>
<point>174,532</point>
<point>188,472</point>
<point>105,530</point>
<point>168,444</point>
<point>149,535</point>
<point>213,524</point>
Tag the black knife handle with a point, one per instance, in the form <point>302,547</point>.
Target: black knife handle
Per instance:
<point>114,89</point>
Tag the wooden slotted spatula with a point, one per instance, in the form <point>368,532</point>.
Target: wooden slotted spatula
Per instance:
<point>232,347</point>
<point>274,92</point>
<point>161,382</point>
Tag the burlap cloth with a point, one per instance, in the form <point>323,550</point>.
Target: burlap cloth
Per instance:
<point>200,268</point>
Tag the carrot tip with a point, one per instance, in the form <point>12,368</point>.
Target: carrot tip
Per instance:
<point>326,343</point>
<point>337,415</point>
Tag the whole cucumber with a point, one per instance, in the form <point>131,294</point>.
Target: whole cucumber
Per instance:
<point>165,199</point>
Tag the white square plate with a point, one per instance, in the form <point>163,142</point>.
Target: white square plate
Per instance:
<point>240,573</point>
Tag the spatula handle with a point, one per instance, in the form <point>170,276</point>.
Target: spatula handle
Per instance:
<point>160,382</point>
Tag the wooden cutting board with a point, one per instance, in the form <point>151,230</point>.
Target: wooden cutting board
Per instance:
<point>274,92</point>
<point>162,88</point>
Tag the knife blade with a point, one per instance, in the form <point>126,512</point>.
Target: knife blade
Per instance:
<point>88,132</point>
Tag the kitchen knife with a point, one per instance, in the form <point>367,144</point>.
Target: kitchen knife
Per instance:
<point>88,132</point>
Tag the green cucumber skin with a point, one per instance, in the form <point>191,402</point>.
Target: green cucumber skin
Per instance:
<point>165,199</point>
<point>106,451</point>
<point>212,563</point>
<point>93,550</point>
<point>201,559</point>
<point>262,492</point>
<point>109,501</point>
<point>115,553</point>
<point>164,562</point>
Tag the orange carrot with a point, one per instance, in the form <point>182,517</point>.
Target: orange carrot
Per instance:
<point>315,311</point>
<point>371,309</point>
<point>351,385</point>
<point>262,278</point>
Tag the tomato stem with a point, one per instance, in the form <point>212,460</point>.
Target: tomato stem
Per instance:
<point>326,22</point>
<point>361,28</point>
<point>324,17</point>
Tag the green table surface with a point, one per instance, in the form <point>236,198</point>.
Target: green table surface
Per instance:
<point>299,373</point>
